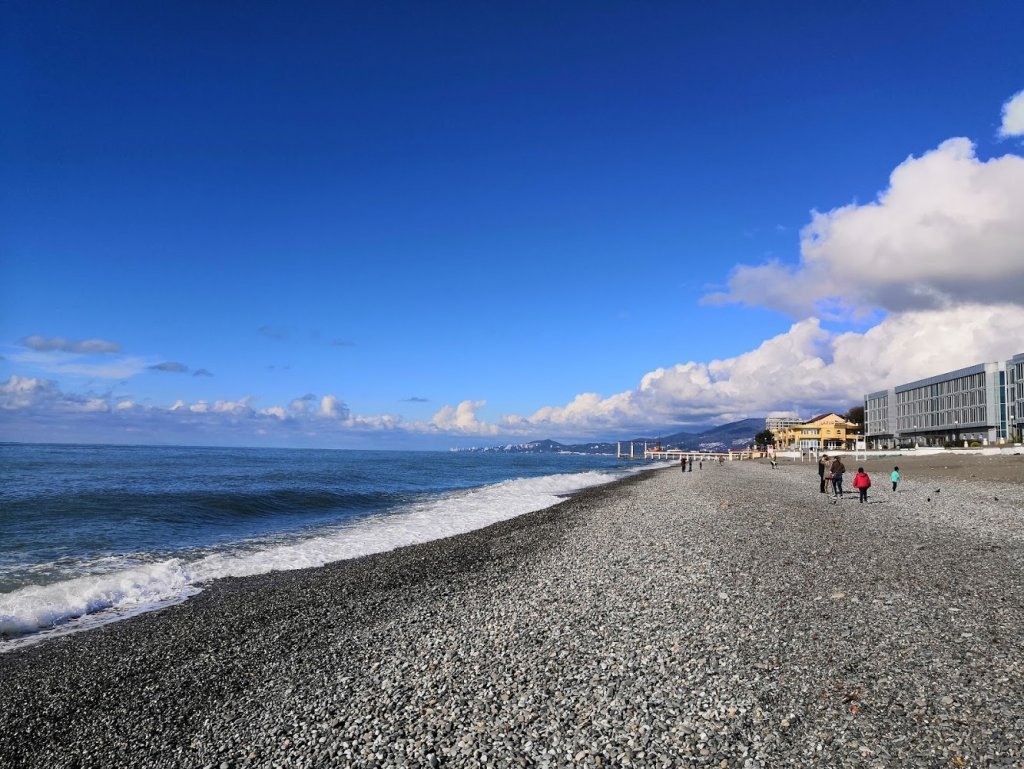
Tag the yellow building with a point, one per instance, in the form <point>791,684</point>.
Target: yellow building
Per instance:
<point>826,432</point>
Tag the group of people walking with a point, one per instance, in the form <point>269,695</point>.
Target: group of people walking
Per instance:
<point>686,463</point>
<point>832,470</point>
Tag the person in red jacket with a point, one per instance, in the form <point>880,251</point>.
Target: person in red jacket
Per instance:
<point>862,483</point>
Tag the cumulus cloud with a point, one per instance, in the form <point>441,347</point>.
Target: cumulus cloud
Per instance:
<point>171,366</point>
<point>29,393</point>
<point>60,344</point>
<point>800,371</point>
<point>803,370</point>
<point>946,232</point>
<point>380,422</point>
<point>240,407</point>
<point>20,392</point>
<point>1013,116</point>
<point>463,420</point>
<point>37,408</point>
<point>303,404</point>
<point>332,408</point>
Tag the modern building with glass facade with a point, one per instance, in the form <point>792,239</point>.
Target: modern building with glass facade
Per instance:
<point>1015,396</point>
<point>978,404</point>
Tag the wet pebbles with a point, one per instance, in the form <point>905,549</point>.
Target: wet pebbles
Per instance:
<point>730,617</point>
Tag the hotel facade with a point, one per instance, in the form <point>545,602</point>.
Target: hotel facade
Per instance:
<point>981,404</point>
<point>825,432</point>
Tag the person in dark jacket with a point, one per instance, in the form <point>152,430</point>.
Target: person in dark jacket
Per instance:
<point>837,469</point>
<point>822,466</point>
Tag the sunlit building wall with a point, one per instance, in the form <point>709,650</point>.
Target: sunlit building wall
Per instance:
<point>976,404</point>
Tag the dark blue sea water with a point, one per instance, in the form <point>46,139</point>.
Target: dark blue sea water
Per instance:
<point>91,533</point>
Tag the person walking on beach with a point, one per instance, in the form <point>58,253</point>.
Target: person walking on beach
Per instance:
<point>837,468</point>
<point>895,477</point>
<point>862,482</point>
<point>700,465</point>
<point>682,463</point>
<point>691,463</point>
<point>822,464</point>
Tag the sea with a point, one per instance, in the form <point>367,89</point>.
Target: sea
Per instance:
<point>93,534</point>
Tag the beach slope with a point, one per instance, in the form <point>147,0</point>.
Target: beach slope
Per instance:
<point>728,617</point>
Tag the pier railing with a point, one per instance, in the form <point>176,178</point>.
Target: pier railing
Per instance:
<point>633,450</point>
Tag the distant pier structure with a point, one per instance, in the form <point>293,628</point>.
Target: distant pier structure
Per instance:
<point>657,452</point>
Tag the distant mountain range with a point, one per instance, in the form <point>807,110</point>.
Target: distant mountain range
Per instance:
<point>732,435</point>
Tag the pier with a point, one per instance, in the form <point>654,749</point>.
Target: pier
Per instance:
<point>657,452</point>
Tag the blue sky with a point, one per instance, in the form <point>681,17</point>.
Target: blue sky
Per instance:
<point>431,225</point>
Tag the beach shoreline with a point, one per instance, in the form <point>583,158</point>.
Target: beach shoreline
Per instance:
<point>725,615</point>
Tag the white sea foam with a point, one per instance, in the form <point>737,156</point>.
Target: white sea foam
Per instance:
<point>102,597</point>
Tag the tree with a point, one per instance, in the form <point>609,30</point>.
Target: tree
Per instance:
<point>764,438</point>
<point>856,415</point>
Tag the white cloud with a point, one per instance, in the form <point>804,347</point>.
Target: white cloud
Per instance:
<point>462,419</point>
<point>60,344</point>
<point>1013,116</point>
<point>332,408</point>
<point>386,422</point>
<point>21,393</point>
<point>114,367</point>
<point>802,370</point>
<point>240,407</point>
<point>302,405</point>
<point>946,232</point>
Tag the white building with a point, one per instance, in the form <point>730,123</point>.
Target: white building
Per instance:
<point>777,424</point>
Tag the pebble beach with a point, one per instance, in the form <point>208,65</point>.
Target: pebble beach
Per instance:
<point>727,617</point>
